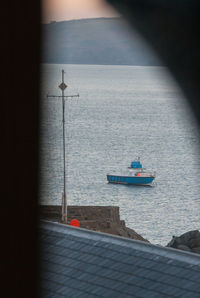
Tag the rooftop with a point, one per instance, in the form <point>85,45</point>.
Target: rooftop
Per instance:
<point>77,262</point>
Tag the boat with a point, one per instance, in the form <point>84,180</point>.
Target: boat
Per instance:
<point>136,175</point>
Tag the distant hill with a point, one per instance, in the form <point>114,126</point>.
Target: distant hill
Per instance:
<point>94,41</point>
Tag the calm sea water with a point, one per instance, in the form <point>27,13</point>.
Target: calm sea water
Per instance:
<point>123,112</point>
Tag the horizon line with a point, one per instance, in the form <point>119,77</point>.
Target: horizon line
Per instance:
<point>79,19</point>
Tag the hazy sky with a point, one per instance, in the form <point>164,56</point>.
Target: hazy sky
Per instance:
<point>60,10</point>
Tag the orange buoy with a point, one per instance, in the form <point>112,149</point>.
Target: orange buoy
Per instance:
<point>75,223</point>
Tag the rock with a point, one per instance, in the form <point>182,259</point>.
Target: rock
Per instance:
<point>132,234</point>
<point>189,241</point>
<point>183,247</point>
<point>196,250</point>
<point>189,235</point>
<point>174,242</point>
<point>195,242</point>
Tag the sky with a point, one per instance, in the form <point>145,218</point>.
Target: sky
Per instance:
<point>61,10</point>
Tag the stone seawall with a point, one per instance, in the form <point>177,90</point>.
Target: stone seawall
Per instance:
<point>97,218</point>
<point>51,212</point>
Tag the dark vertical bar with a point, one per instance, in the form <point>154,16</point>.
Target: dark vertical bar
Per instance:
<point>19,122</point>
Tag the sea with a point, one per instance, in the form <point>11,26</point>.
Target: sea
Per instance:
<point>122,112</point>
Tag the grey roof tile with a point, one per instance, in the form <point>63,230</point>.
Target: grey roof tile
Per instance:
<point>50,286</point>
<point>80,263</point>
<point>188,295</point>
<point>196,287</point>
<point>63,290</point>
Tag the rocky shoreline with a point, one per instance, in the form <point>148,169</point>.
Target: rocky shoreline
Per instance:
<point>106,219</point>
<point>189,241</point>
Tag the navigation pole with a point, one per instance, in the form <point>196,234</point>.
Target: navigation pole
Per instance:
<point>63,86</point>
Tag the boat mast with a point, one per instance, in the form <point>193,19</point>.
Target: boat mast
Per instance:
<point>63,86</point>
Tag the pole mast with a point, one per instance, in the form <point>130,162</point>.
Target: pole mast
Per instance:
<point>63,86</point>
<point>64,170</point>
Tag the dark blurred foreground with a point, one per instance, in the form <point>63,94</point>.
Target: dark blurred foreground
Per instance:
<point>171,27</point>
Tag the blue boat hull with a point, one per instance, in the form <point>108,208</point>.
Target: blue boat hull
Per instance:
<point>130,180</point>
